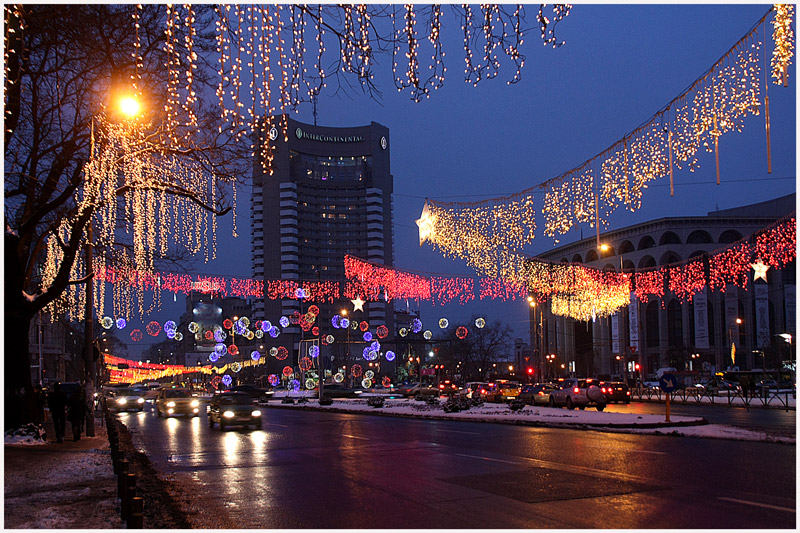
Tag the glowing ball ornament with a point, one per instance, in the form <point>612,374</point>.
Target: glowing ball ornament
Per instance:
<point>255,355</point>
<point>178,336</point>
<point>220,349</point>
<point>313,351</point>
<point>233,349</point>
<point>364,325</point>
<point>310,383</point>
<point>209,335</point>
<point>354,325</point>
<point>227,380</point>
<point>273,379</point>
<point>259,334</point>
<point>338,377</point>
<point>382,332</point>
<point>282,354</point>
<point>153,328</point>
<point>386,381</point>
<point>121,323</point>
<point>369,374</point>
<point>171,334</point>
<point>107,322</point>
<point>239,328</point>
<point>461,332</point>
<point>356,371</point>
<point>136,335</point>
<point>344,323</point>
<point>170,325</point>
<point>367,336</point>
<point>375,346</point>
<point>220,335</point>
<point>403,332</point>
<point>194,327</point>
<point>294,385</point>
<point>287,371</point>
<point>443,323</point>
<point>390,356</point>
<point>315,331</point>
<point>330,339</point>
<point>428,335</point>
<point>366,383</point>
<point>314,310</point>
<point>227,323</point>
<point>244,320</point>
<point>274,332</point>
<point>479,323</point>
<point>416,325</point>
<point>273,351</point>
<point>370,355</point>
<point>249,335</point>
<point>236,367</point>
<point>266,325</point>
<point>299,293</point>
<point>284,322</point>
<point>213,357</point>
<point>335,321</point>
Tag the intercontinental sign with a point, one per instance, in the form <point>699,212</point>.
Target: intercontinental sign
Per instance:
<point>328,138</point>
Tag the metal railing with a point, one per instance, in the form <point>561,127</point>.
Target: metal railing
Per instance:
<point>698,395</point>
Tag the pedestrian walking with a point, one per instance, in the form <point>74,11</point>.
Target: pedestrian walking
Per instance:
<point>57,402</point>
<point>76,412</point>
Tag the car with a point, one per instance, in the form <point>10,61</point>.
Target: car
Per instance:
<point>718,386</point>
<point>616,391</point>
<point>502,391</point>
<point>448,388</point>
<point>125,398</point>
<point>538,394</point>
<point>339,390</point>
<point>471,389</point>
<point>419,390</point>
<point>580,393</point>
<point>233,408</point>
<point>176,401</point>
<point>254,392</point>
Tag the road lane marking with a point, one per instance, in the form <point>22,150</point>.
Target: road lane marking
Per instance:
<point>274,424</point>
<point>487,459</point>
<point>757,504</point>
<point>456,431</point>
<point>354,437</point>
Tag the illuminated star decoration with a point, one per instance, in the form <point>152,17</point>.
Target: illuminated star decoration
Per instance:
<point>425,223</point>
<point>358,304</point>
<point>760,270</point>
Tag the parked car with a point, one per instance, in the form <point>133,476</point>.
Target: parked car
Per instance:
<point>719,386</point>
<point>448,388</point>
<point>125,398</point>
<point>502,391</point>
<point>616,391</point>
<point>233,408</point>
<point>339,390</point>
<point>257,393</point>
<point>471,389</point>
<point>538,394</point>
<point>418,390</point>
<point>177,401</point>
<point>580,393</point>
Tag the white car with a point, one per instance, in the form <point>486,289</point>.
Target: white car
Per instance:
<point>580,393</point>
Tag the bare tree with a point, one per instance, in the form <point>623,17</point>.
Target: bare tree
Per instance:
<point>476,352</point>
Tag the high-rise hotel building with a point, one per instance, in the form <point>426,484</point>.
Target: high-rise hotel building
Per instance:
<point>329,194</point>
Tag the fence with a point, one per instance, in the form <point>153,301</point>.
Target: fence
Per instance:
<point>765,398</point>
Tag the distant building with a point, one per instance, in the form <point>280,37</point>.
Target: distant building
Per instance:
<point>668,332</point>
<point>328,194</point>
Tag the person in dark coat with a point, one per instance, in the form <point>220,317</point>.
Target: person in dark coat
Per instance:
<point>76,412</point>
<point>57,402</point>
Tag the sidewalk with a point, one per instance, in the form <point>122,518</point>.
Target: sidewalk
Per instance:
<point>61,485</point>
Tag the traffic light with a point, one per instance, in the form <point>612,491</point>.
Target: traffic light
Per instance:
<point>637,367</point>
<point>530,371</point>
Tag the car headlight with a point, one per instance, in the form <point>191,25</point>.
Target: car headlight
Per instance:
<point>228,414</point>
<point>140,400</point>
<point>195,403</point>
<point>170,404</point>
<point>122,401</point>
<point>255,413</point>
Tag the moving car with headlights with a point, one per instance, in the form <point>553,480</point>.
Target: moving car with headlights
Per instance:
<point>233,408</point>
<point>580,393</point>
<point>616,391</point>
<point>125,398</point>
<point>177,401</point>
<point>538,394</point>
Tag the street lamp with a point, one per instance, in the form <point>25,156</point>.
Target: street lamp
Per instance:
<point>129,106</point>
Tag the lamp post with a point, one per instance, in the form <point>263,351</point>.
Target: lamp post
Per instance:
<point>731,344</point>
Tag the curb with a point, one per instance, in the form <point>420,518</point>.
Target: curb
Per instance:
<point>530,423</point>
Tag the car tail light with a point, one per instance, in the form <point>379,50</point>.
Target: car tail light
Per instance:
<point>628,393</point>
<point>603,390</point>
<point>441,386</point>
<point>541,393</point>
<point>576,390</point>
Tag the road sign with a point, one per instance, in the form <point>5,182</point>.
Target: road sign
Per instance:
<point>632,349</point>
<point>668,382</point>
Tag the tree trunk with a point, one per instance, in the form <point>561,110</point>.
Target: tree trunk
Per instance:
<point>22,405</point>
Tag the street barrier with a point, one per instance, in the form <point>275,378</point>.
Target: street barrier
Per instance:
<point>698,395</point>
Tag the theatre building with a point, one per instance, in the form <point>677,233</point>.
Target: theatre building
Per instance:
<point>666,332</point>
<point>326,193</point>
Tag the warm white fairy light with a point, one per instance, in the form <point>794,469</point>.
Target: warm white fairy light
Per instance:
<point>783,36</point>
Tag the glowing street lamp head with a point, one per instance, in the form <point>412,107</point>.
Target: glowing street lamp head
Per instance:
<point>129,106</point>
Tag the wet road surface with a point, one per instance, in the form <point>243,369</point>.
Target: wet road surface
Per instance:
<point>333,470</point>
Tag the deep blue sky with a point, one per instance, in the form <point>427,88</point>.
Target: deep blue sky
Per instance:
<point>620,64</point>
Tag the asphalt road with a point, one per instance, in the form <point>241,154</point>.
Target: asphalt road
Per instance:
<point>331,470</point>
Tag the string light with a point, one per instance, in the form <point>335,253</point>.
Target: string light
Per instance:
<point>783,36</point>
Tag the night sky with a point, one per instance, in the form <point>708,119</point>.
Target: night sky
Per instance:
<point>619,66</point>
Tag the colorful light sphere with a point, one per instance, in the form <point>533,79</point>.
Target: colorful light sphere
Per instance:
<point>255,355</point>
<point>274,332</point>
<point>356,370</point>
<point>461,332</point>
<point>390,355</point>
<point>314,310</point>
<point>284,322</point>
<point>366,383</point>
<point>364,325</point>
<point>287,371</point>
<point>121,323</point>
<point>330,339</point>
<point>259,334</point>
<point>227,323</point>
<point>294,385</point>
<point>354,325</point>
<point>313,351</point>
<point>344,323</point>
<point>233,349</point>
<point>310,383</point>
<point>178,336</point>
<point>416,325</point>
<point>479,323</point>
<point>170,325</point>
<point>282,354</point>
<point>273,351</point>
<point>239,327</point>
<point>443,323</point>
<point>244,320</point>
<point>249,335</point>
<point>428,335</point>
<point>367,336</point>
<point>375,346</point>
<point>193,327</point>
<point>227,380</point>
<point>153,328</point>
<point>198,336</point>
<point>386,381</point>
<point>369,374</point>
<point>107,322</point>
<point>220,349</point>
<point>236,367</point>
<point>310,317</point>
<point>315,331</point>
<point>382,332</point>
<point>213,357</point>
<point>171,333</point>
<point>273,379</point>
<point>136,335</point>
<point>338,377</point>
<point>266,325</point>
<point>335,321</point>
<point>370,354</point>
<point>220,335</point>
<point>209,335</point>
<point>299,293</point>
<point>403,332</point>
